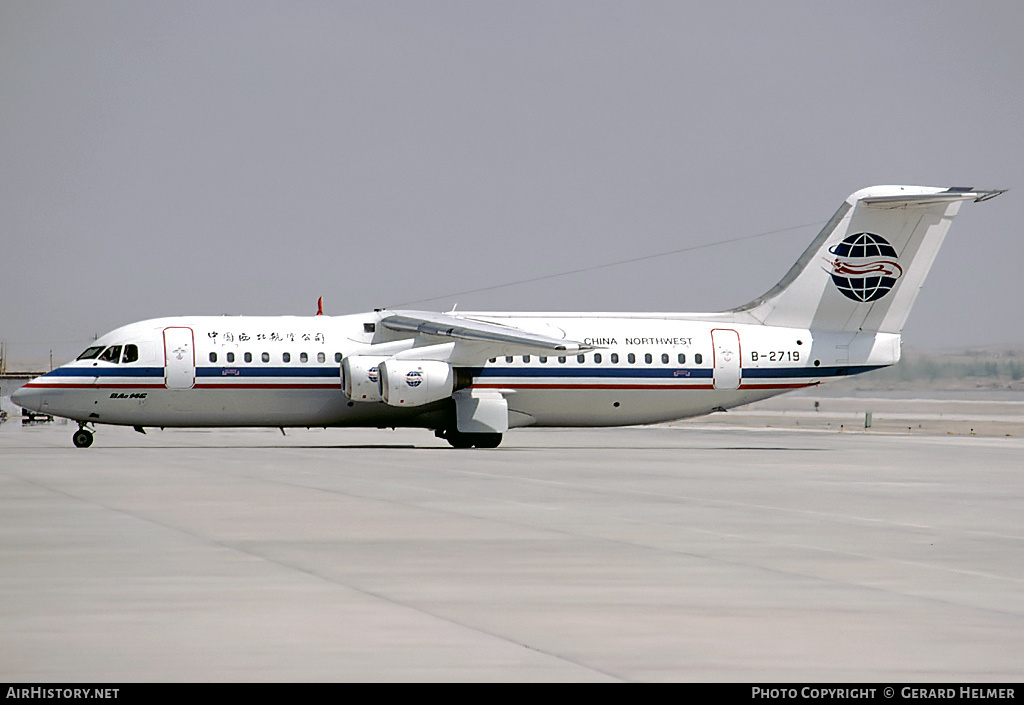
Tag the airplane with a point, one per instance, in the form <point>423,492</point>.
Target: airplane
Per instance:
<point>472,376</point>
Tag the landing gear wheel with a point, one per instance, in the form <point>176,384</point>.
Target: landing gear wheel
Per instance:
<point>487,440</point>
<point>457,439</point>
<point>82,438</point>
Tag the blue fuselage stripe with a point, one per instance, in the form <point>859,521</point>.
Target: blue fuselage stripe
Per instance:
<point>242,371</point>
<point>804,372</point>
<point>106,372</point>
<point>533,373</point>
<point>588,372</point>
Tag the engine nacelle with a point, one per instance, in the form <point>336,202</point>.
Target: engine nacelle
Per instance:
<point>415,382</point>
<point>360,377</point>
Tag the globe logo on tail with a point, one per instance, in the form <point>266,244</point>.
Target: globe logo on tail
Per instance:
<point>864,267</point>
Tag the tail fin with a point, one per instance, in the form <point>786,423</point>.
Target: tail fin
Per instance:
<point>864,269</point>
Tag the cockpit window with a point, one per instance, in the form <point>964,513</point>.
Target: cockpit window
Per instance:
<point>91,353</point>
<point>111,354</point>
<point>131,353</point>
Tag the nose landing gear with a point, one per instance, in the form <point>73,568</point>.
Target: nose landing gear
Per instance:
<point>82,437</point>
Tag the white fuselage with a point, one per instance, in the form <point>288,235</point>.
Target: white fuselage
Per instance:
<point>285,371</point>
<point>838,311</point>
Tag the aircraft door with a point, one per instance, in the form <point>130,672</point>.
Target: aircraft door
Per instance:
<point>726,347</point>
<point>179,358</point>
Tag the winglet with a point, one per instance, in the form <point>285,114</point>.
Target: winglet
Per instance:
<point>320,306</point>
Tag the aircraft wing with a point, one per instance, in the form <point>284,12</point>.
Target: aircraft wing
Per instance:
<point>501,339</point>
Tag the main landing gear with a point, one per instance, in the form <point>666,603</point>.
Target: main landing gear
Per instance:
<point>457,439</point>
<point>82,437</point>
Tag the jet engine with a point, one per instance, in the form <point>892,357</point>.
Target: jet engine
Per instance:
<point>415,382</point>
<point>360,377</point>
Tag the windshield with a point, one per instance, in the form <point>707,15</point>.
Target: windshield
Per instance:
<point>91,353</point>
<point>112,354</point>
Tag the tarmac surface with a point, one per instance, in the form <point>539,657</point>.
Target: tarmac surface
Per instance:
<point>707,551</point>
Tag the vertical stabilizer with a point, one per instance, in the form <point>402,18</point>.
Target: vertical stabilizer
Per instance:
<point>865,268</point>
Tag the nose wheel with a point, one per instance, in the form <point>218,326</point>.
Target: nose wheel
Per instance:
<point>82,437</point>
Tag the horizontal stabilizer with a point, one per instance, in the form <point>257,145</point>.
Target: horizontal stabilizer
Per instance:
<point>948,196</point>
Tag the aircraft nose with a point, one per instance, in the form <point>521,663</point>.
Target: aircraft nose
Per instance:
<point>28,398</point>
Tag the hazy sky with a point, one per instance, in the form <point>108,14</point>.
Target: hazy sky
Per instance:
<point>164,158</point>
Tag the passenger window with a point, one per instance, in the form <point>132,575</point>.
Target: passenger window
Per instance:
<point>597,358</point>
<point>320,357</point>
<point>509,359</point>
<point>562,360</point>
<point>286,357</point>
<point>579,359</point>
<point>303,357</point>
<point>265,357</point>
<point>493,360</point>
<point>213,357</point>
<point>542,360</point>
<point>615,358</point>
<point>698,358</point>
<point>91,353</point>
<point>631,358</point>
<point>337,357</point>
<point>664,358</point>
<point>131,353</point>
<point>111,354</point>
<point>682,358</point>
<point>231,357</point>
<point>248,357</point>
<point>526,358</point>
<point>648,359</point>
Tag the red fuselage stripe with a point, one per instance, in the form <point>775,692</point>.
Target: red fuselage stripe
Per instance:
<point>70,385</point>
<point>246,385</point>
